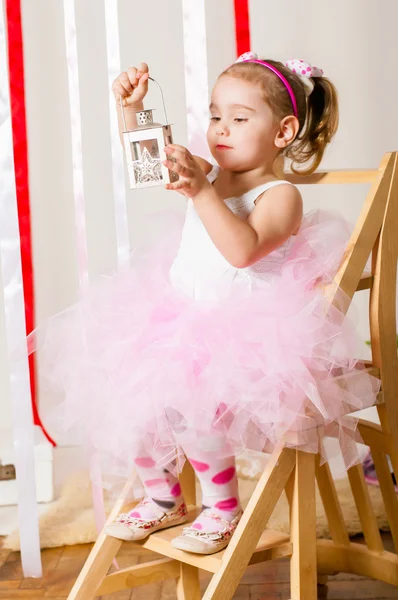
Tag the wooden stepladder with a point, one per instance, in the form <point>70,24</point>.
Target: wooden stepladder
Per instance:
<point>297,472</point>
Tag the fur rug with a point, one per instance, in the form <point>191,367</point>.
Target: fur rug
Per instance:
<point>70,519</point>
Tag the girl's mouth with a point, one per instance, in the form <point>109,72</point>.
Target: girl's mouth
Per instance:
<point>222,147</point>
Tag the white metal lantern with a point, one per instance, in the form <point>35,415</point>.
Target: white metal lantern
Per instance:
<point>144,149</point>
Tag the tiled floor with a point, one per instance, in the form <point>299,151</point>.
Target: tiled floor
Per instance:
<point>266,581</point>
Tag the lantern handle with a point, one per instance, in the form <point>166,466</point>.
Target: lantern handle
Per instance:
<point>161,93</point>
<point>164,106</point>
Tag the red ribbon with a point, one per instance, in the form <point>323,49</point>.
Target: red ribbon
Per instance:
<point>242,26</point>
<point>19,132</point>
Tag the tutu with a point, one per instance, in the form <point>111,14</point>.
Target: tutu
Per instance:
<point>140,362</point>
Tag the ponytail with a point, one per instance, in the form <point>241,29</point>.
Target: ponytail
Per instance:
<point>320,126</point>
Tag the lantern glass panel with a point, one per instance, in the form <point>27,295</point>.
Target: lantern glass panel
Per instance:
<point>146,162</point>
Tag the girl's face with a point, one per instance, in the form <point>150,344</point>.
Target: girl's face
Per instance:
<point>242,129</point>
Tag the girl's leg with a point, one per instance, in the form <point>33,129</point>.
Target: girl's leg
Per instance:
<point>162,489</point>
<point>163,504</point>
<point>214,464</point>
<point>219,485</point>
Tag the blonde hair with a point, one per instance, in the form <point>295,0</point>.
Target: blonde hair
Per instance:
<point>318,114</point>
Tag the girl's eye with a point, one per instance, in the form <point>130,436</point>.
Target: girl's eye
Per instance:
<point>237,119</point>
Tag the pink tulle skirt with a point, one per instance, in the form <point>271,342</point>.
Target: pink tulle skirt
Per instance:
<point>141,365</point>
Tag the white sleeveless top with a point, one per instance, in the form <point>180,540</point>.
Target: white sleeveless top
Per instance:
<point>201,271</point>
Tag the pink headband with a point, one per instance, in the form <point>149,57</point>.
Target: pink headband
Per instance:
<point>303,69</point>
<point>281,77</point>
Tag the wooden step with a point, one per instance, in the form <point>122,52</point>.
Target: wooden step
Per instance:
<point>272,544</point>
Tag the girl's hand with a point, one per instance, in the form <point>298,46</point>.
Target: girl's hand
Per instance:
<point>192,179</point>
<point>132,85</point>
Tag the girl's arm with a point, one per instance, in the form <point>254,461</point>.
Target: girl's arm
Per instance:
<point>132,87</point>
<point>130,117</point>
<point>204,164</point>
<point>276,216</point>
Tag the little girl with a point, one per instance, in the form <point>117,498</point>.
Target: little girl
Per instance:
<point>229,342</point>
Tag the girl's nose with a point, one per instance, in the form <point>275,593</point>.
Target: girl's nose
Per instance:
<point>222,129</point>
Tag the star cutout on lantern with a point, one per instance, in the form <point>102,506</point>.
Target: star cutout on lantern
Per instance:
<point>148,168</point>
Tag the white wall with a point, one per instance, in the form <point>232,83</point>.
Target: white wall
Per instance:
<point>354,42</point>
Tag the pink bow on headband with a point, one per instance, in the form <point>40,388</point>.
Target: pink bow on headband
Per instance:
<point>303,68</point>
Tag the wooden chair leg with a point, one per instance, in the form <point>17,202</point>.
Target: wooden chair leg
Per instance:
<point>303,565</point>
<point>331,503</point>
<point>322,586</point>
<point>188,583</point>
<point>100,557</point>
<point>365,510</point>
<point>254,520</point>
